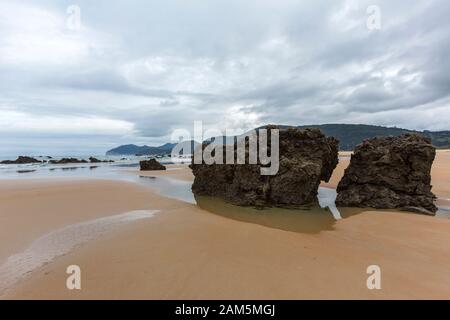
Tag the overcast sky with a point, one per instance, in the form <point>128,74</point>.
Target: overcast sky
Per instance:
<point>138,69</point>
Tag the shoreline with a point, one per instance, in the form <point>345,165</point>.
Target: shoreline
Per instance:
<point>185,252</point>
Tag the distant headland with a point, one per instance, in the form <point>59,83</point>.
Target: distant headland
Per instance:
<point>349,135</point>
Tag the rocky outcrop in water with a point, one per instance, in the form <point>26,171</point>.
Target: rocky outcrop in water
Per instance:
<point>95,160</point>
<point>151,165</point>
<point>67,161</point>
<point>389,173</point>
<point>306,157</point>
<point>21,160</point>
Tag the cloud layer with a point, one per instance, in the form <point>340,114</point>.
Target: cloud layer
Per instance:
<point>136,70</point>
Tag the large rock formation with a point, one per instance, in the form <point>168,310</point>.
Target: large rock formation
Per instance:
<point>21,160</point>
<point>306,158</point>
<point>151,165</point>
<point>388,173</point>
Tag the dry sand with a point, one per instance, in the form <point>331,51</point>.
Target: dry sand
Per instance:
<point>187,253</point>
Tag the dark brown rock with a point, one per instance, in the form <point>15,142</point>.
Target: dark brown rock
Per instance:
<point>389,173</point>
<point>151,165</point>
<point>306,157</point>
<point>95,160</point>
<point>21,160</point>
<point>67,161</point>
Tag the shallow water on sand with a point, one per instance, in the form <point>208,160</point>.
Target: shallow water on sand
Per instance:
<point>312,219</point>
<point>60,242</point>
<point>309,220</point>
<point>443,212</point>
<point>171,188</point>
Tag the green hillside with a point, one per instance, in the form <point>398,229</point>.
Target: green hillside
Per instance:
<point>350,135</point>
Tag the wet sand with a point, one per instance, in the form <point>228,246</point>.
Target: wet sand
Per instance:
<point>32,208</point>
<point>184,252</point>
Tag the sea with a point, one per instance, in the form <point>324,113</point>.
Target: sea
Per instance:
<point>47,169</point>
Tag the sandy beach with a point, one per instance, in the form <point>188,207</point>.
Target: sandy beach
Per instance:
<point>184,252</point>
<point>224,150</point>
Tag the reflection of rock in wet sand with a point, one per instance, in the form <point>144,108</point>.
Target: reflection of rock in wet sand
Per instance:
<point>308,220</point>
<point>147,177</point>
<point>26,171</point>
<point>313,220</point>
<point>66,168</point>
<point>71,168</point>
<point>350,212</point>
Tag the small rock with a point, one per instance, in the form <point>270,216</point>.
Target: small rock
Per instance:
<point>151,165</point>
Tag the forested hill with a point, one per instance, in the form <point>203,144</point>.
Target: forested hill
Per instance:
<point>350,135</point>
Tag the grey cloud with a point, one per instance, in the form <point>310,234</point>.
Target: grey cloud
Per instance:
<point>161,65</point>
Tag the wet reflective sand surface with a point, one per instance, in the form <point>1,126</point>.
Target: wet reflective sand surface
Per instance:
<point>312,220</point>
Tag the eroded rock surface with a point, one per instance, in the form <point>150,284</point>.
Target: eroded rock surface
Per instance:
<point>390,173</point>
<point>306,158</point>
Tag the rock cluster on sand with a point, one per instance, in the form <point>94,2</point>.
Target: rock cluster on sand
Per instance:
<point>75,160</point>
<point>306,158</point>
<point>67,161</point>
<point>151,165</point>
<point>95,160</point>
<point>21,160</point>
<point>388,173</point>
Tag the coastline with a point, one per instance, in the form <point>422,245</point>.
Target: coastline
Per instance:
<point>188,253</point>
